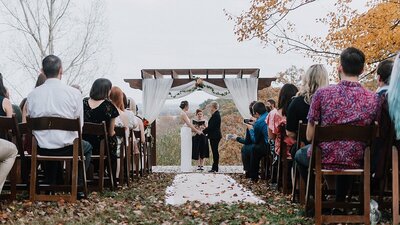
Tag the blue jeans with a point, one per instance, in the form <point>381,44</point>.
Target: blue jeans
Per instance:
<point>302,161</point>
<point>246,154</point>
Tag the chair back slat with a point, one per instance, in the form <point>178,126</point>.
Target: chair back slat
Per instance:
<point>120,131</point>
<point>345,133</point>
<point>137,134</point>
<point>53,123</point>
<point>301,132</point>
<point>23,128</point>
<point>8,124</point>
<point>98,129</point>
<point>10,130</point>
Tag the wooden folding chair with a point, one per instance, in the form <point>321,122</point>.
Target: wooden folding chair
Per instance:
<point>283,179</point>
<point>136,162</point>
<point>124,156</point>
<point>145,157</point>
<point>364,134</point>
<point>299,188</point>
<point>56,123</point>
<point>9,130</point>
<point>100,130</point>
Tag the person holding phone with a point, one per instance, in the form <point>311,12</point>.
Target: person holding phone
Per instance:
<point>200,149</point>
<point>247,143</point>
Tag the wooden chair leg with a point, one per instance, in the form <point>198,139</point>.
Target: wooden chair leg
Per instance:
<point>395,186</point>
<point>128,165</point>
<point>137,166</point>
<point>278,173</point>
<point>74,180</point>
<point>121,166</point>
<point>302,190</point>
<point>141,148</point>
<point>32,188</point>
<point>13,182</point>
<point>101,168</point>
<point>285,177</point>
<point>318,198</point>
<point>109,168</point>
<point>367,186</point>
<point>294,185</point>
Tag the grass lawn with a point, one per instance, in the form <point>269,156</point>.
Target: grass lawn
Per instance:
<point>144,204</point>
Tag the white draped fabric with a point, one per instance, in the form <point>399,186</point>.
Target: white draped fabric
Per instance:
<point>186,89</point>
<point>155,92</point>
<point>243,92</point>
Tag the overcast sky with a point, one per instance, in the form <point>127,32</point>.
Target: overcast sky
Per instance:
<point>190,34</point>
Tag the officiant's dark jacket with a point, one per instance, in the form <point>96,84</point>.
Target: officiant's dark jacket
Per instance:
<point>214,127</point>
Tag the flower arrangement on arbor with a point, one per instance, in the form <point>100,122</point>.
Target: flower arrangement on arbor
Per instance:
<point>146,124</point>
<point>199,83</point>
<point>198,86</point>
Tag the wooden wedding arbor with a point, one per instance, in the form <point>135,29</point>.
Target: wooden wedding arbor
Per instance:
<point>185,76</point>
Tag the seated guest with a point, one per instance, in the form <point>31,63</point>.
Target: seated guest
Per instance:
<point>247,144</point>
<point>345,103</point>
<point>315,78</point>
<point>97,108</point>
<point>389,129</point>
<point>277,118</point>
<point>133,120</point>
<point>15,108</point>
<point>393,99</point>
<point>40,80</point>
<point>133,107</point>
<point>136,120</point>
<point>56,99</point>
<point>383,72</point>
<point>271,105</point>
<point>6,106</point>
<point>8,151</point>
<point>117,98</point>
<point>258,132</point>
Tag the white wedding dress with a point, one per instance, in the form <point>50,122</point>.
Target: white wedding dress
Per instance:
<point>186,145</point>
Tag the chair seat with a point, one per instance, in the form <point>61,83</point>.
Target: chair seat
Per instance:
<point>343,172</point>
<point>97,157</point>
<point>55,158</point>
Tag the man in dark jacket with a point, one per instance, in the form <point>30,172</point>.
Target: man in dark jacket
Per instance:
<point>213,132</point>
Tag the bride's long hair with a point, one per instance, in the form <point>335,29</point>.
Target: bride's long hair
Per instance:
<point>394,95</point>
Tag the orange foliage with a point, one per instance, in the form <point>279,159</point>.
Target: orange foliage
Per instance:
<point>376,32</point>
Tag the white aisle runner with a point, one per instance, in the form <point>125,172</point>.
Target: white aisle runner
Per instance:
<point>208,188</point>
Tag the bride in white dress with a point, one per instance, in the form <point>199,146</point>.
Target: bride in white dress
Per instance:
<point>186,138</point>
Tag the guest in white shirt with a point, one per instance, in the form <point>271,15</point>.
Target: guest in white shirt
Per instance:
<point>56,99</point>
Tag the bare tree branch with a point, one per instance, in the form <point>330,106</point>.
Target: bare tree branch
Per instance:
<point>45,27</point>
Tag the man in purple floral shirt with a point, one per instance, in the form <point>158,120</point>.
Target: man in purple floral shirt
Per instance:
<point>345,103</point>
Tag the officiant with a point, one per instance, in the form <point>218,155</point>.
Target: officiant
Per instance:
<point>200,149</point>
<point>214,134</point>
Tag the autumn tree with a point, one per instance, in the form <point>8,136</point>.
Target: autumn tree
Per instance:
<point>376,32</point>
<point>43,27</point>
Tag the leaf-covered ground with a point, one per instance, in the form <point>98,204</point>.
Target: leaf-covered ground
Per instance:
<point>144,204</point>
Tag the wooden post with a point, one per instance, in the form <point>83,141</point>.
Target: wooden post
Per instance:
<point>153,159</point>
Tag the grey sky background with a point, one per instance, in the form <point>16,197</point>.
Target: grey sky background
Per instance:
<point>183,34</point>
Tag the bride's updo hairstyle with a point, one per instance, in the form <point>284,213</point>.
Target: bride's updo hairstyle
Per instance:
<point>183,104</point>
